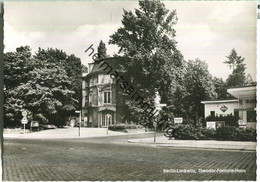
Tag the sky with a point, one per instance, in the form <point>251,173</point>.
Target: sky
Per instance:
<point>205,30</point>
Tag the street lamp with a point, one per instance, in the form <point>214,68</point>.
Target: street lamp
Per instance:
<point>79,112</point>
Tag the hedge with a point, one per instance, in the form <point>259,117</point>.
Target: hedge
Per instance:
<point>189,132</point>
<point>121,127</point>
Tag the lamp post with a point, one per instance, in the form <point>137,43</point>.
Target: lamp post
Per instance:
<point>79,112</point>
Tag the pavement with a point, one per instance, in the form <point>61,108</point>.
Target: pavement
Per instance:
<point>113,159</point>
<point>162,141</point>
<point>66,133</point>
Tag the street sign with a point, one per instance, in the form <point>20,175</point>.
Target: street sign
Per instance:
<point>24,113</point>
<point>211,124</point>
<point>178,120</point>
<point>24,120</point>
<point>154,124</point>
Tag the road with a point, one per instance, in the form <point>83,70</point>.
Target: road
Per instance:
<point>112,158</point>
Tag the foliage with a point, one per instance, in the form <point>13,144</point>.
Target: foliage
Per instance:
<point>46,82</point>
<point>199,86</point>
<point>236,62</point>
<point>229,119</point>
<point>221,89</point>
<point>236,134</point>
<point>121,127</point>
<point>102,50</point>
<point>146,41</point>
<point>190,132</point>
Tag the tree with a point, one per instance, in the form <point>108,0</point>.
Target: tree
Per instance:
<point>102,50</point>
<point>199,86</point>
<point>221,88</point>
<point>238,77</point>
<point>146,41</point>
<point>51,85</point>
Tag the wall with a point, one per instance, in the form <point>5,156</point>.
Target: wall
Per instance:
<point>216,107</point>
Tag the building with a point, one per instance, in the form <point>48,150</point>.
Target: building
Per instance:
<point>99,97</point>
<point>244,106</point>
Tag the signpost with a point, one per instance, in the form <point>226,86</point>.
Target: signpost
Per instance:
<point>242,123</point>
<point>24,121</point>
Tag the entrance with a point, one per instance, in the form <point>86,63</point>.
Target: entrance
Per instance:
<point>107,118</point>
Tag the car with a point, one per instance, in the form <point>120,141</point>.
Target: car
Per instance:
<point>49,126</point>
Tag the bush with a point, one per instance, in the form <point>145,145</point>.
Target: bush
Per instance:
<point>189,132</point>
<point>236,134</point>
<point>121,127</point>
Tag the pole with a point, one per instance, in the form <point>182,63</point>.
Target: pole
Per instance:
<point>23,128</point>
<point>155,133</point>
<point>79,122</point>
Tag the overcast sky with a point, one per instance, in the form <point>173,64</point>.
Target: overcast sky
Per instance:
<point>205,30</point>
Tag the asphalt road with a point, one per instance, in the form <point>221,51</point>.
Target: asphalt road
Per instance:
<point>112,158</point>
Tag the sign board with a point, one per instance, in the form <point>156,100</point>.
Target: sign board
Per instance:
<point>223,108</point>
<point>154,124</point>
<point>241,122</point>
<point>24,113</point>
<point>178,120</point>
<point>24,120</point>
<point>220,124</point>
<point>211,124</point>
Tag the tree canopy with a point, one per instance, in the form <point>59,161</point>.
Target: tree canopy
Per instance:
<point>236,63</point>
<point>45,84</point>
<point>147,41</point>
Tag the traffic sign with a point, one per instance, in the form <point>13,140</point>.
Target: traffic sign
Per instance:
<point>178,120</point>
<point>24,113</point>
<point>154,124</point>
<point>24,120</point>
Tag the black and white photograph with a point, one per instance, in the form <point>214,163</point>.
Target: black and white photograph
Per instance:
<point>115,90</point>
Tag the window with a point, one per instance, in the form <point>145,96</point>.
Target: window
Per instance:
<point>90,98</point>
<point>107,97</point>
<point>251,116</point>
<point>212,113</point>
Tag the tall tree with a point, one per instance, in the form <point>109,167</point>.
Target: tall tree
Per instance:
<point>238,77</point>
<point>102,50</point>
<point>199,86</point>
<point>146,40</point>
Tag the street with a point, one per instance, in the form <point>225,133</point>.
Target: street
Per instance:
<point>112,158</point>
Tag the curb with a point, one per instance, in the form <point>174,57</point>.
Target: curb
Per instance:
<point>70,138</point>
<point>162,145</point>
<point>206,148</point>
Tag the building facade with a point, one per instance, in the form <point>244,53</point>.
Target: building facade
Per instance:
<point>99,97</point>
<point>244,106</point>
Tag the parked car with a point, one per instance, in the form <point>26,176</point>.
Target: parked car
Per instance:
<point>48,126</point>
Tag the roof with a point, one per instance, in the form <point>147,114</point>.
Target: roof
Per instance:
<point>218,101</point>
<point>101,66</point>
<point>242,91</point>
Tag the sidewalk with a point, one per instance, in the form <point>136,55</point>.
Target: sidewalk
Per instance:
<point>67,133</point>
<point>198,144</point>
